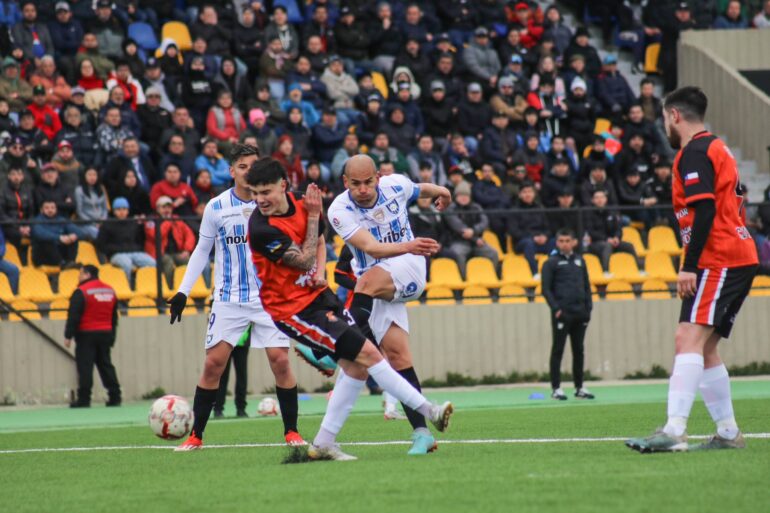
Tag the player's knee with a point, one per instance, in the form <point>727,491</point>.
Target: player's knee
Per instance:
<point>398,358</point>
<point>369,355</point>
<point>279,362</point>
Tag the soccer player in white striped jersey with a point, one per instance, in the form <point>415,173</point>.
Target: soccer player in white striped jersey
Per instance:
<point>236,302</point>
<point>389,263</point>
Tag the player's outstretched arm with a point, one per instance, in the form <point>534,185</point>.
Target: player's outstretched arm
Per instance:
<point>365,241</point>
<point>198,260</point>
<point>304,258</point>
<point>440,194</point>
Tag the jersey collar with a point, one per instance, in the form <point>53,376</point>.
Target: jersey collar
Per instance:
<point>236,198</point>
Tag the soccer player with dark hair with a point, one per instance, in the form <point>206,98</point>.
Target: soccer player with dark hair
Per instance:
<point>288,249</point>
<point>720,262</point>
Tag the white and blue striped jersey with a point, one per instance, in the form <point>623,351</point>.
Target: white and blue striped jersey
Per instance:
<point>387,220</point>
<point>225,221</point>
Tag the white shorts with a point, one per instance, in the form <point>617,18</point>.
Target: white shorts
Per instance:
<point>408,273</point>
<point>385,313</point>
<point>228,322</point>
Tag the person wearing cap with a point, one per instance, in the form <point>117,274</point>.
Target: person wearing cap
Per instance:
<point>671,26</point>
<point>154,119</point>
<point>66,34</point>
<point>514,69</point>
<point>79,134</point>
<point>214,163</point>
<point>509,99</point>
<point>197,92</point>
<point>327,136</point>
<point>177,240</point>
<point>313,89</point>
<point>31,35</point>
<point>92,321</point>
<point>438,114</point>
<point>66,163</point>
<point>466,222</point>
<point>581,46</point>
<point>46,119</point>
<point>108,29</point>
<point>57,90</point>
<point>481,59</point>
<point>473,116</point>
<point>386,38</point>
<point>499,142</point>
<point>351,36</point>
<point>280,28</point>
<point>341,88</point>
<point>294,99</point>
<point>582,111</point>
<point>531,25</point>
<point>51,188</point>
<point>612,89</point>
<point>38,144</point>
<point>404,80</point>
<point>13,88</point>
<point>405,99</point>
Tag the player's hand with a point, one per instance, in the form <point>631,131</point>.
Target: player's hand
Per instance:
<point>686,284</point>
<point>318,282</point>
<point>443,200</point>
<point>557,314</point>
<point>67,343</point>
<point>423,246</point>
<point>177,304</point>
<point>313,200</point>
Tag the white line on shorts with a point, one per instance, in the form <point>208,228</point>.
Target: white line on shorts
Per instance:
<point>382,443</point>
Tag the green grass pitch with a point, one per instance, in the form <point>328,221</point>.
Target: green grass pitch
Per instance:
<point>503,453</point>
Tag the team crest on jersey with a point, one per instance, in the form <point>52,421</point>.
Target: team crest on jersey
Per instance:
<point>274,246</point>
<point>247,212</point>
<point>410,289</point>
<point>393,207</point>
<point>379,215</point>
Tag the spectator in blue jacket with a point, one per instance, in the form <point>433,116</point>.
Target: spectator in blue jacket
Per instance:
<point>327,136</point>
<point>612,89</point>
<point>53,243</point>
<point>67,36</point>
<point>214,164</point>
<point>8,268</point>
<point>295,98</point>
<point>313,90</point>
<point>411,109</point>
<point>732,17</point>
<point>499,142</point>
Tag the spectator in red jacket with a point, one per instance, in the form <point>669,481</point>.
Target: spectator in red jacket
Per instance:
<point>177,240</point>
<point>225,122</point>
<point>46,119</point>
<point>184,199</point>
<point>290,161</point>
<point>531,29</point>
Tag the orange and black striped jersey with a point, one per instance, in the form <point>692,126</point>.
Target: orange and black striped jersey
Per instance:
<point>706,169</point>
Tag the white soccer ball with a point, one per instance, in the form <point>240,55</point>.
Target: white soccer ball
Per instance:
<point>171,417</point>
<point>268,407</point>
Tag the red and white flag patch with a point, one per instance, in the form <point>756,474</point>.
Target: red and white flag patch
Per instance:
<point>691,179</point>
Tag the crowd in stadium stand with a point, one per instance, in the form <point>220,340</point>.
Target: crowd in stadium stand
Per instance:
<point>128,108</point>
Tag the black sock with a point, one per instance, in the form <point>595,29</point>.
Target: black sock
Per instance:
<point>416,419</point>
<point>202,405</point>
<point>361,309</point>
<point>287,400</point>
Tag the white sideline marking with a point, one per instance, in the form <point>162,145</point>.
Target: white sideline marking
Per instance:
<point>390,442</point>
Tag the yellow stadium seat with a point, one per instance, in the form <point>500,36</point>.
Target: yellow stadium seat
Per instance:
<point>655,289</point>
<point>379,83</point>
<point>493,241</point>
<point>440,296</point>
<point>602,125</point>
<point>516,271</point>
<point>199,290</point>
<point>509,245</point>
<point>6,294</point>
<point>595,272</point>
<point>619,291</point>
<point>651,55</point>
<point>59,309</point>
<point>116,278</point>
<point>445,273</point>
<point>34,286</point>
<point>480,271</point>
<point>475,295</point>
<point>512,294</point>
<point>87,254</point>
<point>338,244</point>
<point>141,306</point>
<point>146,283</point>
<point>658,265</point>
<point>330,266</point>
<point>662,238</point>
<point>760,286</point>
<point>623,267</point>
<point>68,282</point>
<point>631,235</point>
<point>12,254</point>
<point>27,308</point>
<point>179,32</point>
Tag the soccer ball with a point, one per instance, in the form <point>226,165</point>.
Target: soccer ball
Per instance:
<point>171,417</point>
<point>267,407</point>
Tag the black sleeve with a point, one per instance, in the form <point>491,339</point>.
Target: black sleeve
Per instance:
<point>267,240</point>
<point>587,285</point>
<point>343,271</point>
<point>548,267</point>
<point>704,210</point>
<point>697,174</point>
<point>75,312</point>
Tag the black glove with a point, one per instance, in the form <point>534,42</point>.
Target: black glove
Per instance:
<point>178,302</point>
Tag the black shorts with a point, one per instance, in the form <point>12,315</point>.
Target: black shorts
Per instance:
<point>719,296</point>
<point>322,326</point>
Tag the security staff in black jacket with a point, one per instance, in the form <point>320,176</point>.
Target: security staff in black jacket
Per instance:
<point>92,320</point>
<point>568,292</point>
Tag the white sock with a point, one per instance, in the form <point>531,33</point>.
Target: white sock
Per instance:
<point>682,388</point>
<point>715,389</point>
<point>395,384</point>
<point>344,396</point>
<point>390,401</point>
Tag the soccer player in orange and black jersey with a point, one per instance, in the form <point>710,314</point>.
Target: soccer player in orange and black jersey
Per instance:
<point>289,252</point>
<point>720,262</point>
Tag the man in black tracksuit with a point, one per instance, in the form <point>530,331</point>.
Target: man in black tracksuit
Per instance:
<point>239,360</point>
<point>92,320</point>
<point>568,292</point>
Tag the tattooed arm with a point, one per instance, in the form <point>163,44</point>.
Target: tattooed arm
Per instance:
<point>305,257</point>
